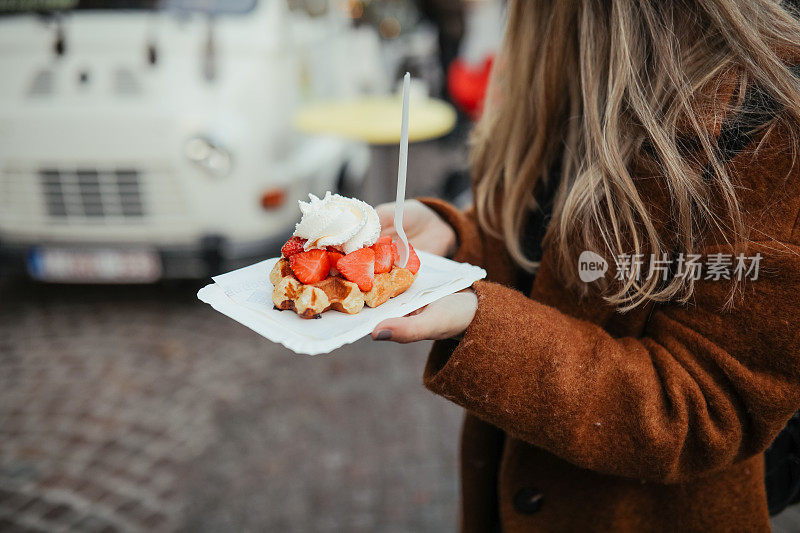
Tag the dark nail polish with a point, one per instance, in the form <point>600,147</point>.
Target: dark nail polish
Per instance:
<point>383,335</point>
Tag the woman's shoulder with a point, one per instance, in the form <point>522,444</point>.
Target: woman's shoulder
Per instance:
<point>766,174</point>
<point>760,145</point>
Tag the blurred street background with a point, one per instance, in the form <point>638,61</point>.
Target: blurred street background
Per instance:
<point>138,409</point>
<point>146,145</point>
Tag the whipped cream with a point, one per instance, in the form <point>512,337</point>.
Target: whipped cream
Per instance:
<point>344,223</point>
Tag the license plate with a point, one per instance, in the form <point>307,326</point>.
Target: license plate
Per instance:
<point>94,265</point>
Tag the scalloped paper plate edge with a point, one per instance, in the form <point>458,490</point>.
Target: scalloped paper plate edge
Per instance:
<point>213,295</point>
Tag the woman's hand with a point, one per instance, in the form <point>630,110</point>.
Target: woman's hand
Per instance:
<point>446,317</point>
<point>442,319</point>
<point>424,228</point>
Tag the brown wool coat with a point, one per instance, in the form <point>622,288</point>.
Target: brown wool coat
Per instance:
<point>580,418</point>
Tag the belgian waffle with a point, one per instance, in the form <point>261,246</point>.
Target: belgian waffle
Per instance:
<point>334,292</point>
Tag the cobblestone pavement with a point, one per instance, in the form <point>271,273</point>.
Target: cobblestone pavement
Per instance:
<point>140,408</point>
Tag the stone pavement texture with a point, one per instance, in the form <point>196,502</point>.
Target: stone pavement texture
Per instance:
<point>142,409</point>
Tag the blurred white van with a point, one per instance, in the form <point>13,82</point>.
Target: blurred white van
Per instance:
<point>142,140</point>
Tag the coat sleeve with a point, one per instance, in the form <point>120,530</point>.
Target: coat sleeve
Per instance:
<point>701,389</point>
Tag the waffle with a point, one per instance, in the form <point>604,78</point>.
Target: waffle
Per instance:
<point>309,301</point>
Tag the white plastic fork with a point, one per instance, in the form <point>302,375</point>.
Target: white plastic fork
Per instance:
<point>401,177</point>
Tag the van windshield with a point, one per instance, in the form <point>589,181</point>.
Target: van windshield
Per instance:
<point>8,7</point>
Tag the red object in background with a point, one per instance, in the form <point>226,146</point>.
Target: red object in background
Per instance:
<point>467,85</point>
<point>273,198</point>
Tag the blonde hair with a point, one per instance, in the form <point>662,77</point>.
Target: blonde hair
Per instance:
<point>593,87</point>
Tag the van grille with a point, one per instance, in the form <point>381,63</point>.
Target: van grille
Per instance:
<point>91,194</point>
<point>125,82</point>
<point>42,83</point>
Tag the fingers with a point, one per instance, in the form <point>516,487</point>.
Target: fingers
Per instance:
<point>386,218</point>
<point>405,329</point>
<point>441,319</point>
<point>424,228</point>
<point>386,215</point>
<point>417,311</point>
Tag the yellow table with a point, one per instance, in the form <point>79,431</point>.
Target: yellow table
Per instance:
<point>376,120</point>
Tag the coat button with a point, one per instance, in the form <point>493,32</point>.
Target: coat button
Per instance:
<point>528,501</point>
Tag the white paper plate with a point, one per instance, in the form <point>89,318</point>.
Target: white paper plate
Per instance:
<point>245,295</point>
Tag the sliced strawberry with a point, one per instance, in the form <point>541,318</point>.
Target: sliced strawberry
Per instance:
<point>381,241</point>
<point>359,267</point>
<point>413,260</point>
<point>334,256</point>
<point>293,246</point>
<point>383,257</point>
<point>311,266</point>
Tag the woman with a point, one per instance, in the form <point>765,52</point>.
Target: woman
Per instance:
<point>642,400</point>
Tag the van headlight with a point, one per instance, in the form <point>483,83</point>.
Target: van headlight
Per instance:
<point>208,155</point>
